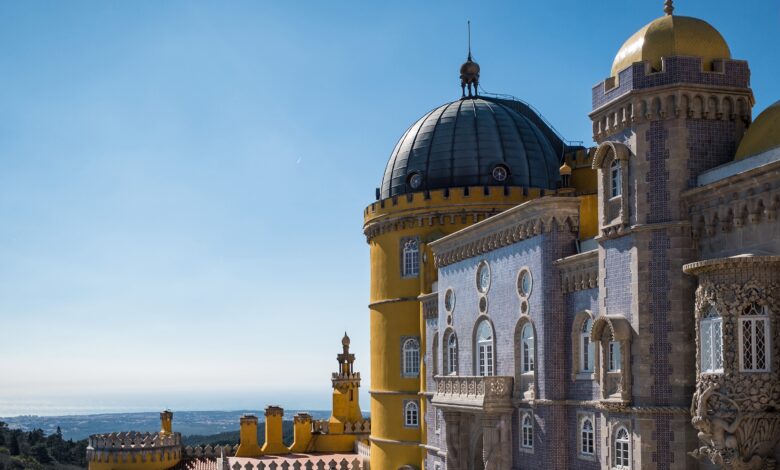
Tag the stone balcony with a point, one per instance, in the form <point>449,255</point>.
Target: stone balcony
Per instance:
<point>476,394</point>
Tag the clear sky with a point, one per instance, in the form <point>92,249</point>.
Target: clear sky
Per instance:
<point>182,183</point>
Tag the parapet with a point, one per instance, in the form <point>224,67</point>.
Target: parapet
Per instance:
<point>674,70</point>
<point>134,447</point>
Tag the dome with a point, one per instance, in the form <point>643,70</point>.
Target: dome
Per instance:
<point>480,141</point>
<point>669,36</point>
<point>763,134</point>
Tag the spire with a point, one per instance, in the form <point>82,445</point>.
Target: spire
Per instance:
<point>668,7</point>
<point>469,27</point>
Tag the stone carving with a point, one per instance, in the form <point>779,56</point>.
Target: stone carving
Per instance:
<point>736,412</point>
<point>477,393</point>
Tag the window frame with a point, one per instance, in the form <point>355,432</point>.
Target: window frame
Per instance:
<point>526,431</point>
<point>587,352</point>
<point>411,414</point>
<point>527,344</point>
<point>707,350</point>
<point>451,366</point>
<point>614,361</point>
<point>410,257</point>
<point>485,350</point>
<point>583,441</point>
<point>615,179</point>
<point>754,320</point>
<point>409,367</point>
<point>618,460</point>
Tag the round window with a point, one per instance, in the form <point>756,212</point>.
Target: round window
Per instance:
<point>500,173</point>
<point>415,180</point>
<point>449,300</point>
<point>525,283</point>
<point>483,277</point>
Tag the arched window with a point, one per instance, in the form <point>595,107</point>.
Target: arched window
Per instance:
<point>586,347</point>
<point>411,414</point>
<point>452,355</point>
<point>615,178</point>
<point>613,359</point>
<point>411,353</point>
<point>527,432</point>
<point>587,437</point>
<point>437,422</point>
<point>435,354</point>
<point>711,341</point>
<point>754,339</point>
<point>622,449</point>
<point>527,349</point>
<point>485,349</point>
<point>411,258</point>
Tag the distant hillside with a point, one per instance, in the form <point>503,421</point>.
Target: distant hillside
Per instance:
<point>188,423</point>
<point>232,437</point>
<point>34,450</point>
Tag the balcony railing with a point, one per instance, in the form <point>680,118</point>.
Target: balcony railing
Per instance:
<point>474,393</point>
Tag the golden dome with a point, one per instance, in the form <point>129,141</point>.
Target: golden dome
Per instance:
<point>565,169</point>
<point>763,134</point>
<point>672,35</point>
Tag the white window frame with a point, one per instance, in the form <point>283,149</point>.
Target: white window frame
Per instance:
<point>622,456</point>
<point>587,439</point>
<point>452,354</point>
<point>410,259</point>
<point>527,350</point>
<point>755,323</point>
<point>615,179</point>
<point>410,351</point>
<point>411,414</point>
<point>587,348</point>
<point>526,431</point>
<point>485,353</point>
<point>613,359</point>
<point>710,329</point>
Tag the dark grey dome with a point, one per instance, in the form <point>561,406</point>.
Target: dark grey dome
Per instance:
<point>462,143</point>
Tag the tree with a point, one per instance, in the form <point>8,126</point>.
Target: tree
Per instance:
<point>40,453</point>
<point>14,446</point>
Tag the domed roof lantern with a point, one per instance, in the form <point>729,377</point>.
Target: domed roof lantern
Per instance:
<point>469,72</point>
<point>668,7</point>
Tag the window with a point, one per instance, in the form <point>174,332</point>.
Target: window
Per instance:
<point>614,356</point>
<point>435,354</point>
<point>411,258</point>
<point>411,354</point>
<point>483,277</point>
<point>622,449</point>
<point>452,355</point>
<point>524,283</point>
<point>485,349</point>
<point>711,341</point>
<point>527,348</point>
<point>586,347</point>
<point>615,178</point>
<point>527,431</point>
<point>411,414</point>
<point>587,437</point>
<point>754,339</point>
<point>437,421</point>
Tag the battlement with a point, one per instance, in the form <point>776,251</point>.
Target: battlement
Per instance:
<point>134,447</point>
<point>345,377</point>
<point>322,426</point>
<point>674,70</point>
<point>209,451</point>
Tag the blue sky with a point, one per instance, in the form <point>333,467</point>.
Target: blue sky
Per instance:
<point>182,183</point>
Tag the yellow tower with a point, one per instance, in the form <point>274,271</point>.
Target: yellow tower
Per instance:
<point>346,385</point>
<point>459,164</point>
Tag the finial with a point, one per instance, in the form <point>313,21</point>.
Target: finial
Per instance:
<point>669,7</point>
<point>469,27</point>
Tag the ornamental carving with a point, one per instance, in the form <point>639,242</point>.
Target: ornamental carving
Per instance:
<point>736,412</point>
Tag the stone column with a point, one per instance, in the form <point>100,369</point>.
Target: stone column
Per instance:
<point>452,424</point>
<point>492,452</point>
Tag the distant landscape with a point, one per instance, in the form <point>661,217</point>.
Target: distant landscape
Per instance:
<point>200,423</point>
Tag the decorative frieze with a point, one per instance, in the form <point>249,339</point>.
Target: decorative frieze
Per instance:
<point>525,221</point>
<point>579,272</point>
<point>430,305</point>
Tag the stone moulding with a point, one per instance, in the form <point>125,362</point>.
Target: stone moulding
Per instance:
<point>482,394</point>
<point>535,217</point>
<point>430,305</point>
<point>579,272</point>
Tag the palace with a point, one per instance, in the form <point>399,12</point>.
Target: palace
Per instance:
<point>535,303</point>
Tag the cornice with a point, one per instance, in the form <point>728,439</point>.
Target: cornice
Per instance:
<point>527,220</point>
<point>580,271</point>
<point>733,262</point>
<point>430,305</point>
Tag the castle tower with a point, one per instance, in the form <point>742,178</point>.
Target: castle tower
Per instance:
<point>457,165</point>
<point>346,387</point>
<point>675,105</point>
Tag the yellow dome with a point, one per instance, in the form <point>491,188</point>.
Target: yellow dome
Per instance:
<point>763,134</point>
<point>672,35</point>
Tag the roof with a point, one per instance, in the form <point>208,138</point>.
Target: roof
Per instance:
<point>763,134</point>
<point>669,36</point>
<point>462,142</point>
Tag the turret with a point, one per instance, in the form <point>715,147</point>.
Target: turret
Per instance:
<point>346,387</point>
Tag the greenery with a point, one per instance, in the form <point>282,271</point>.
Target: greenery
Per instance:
<point>34,450</point>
